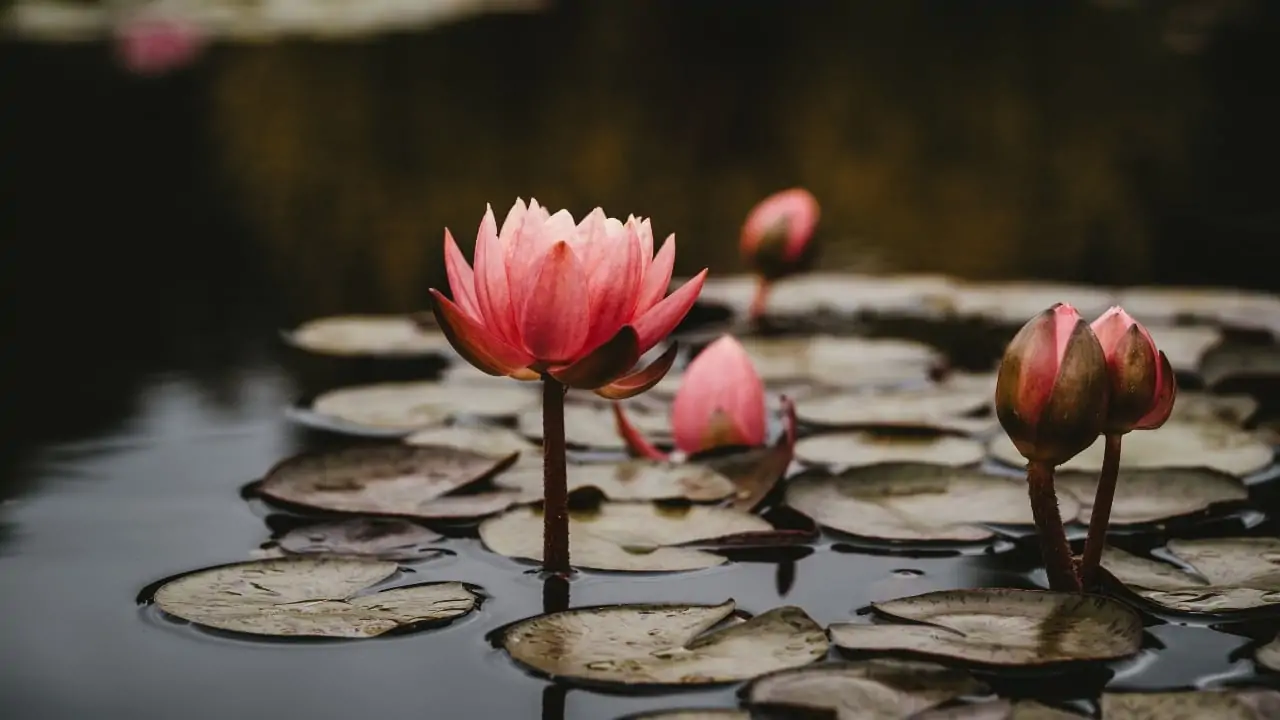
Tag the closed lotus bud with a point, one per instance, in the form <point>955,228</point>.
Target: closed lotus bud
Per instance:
<point>1143,386</point>
<point>777,236</point>
<point>1052,389</point>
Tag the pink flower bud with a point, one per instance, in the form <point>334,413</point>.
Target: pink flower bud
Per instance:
<point>1052,389</point>
<point>154,46</point>
<point>1143,386</point>
<point>776,238</point>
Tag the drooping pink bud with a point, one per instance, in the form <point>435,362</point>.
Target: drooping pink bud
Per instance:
<point>1052,389</point>
<point>154,46</point>
<point>776,238</point>
<point>1143,386</point>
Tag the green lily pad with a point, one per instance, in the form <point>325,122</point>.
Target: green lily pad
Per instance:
<point>381,538</point>
<point>592,424</point>
<point>938,407</point>
<point>408,406</point>
<point>368,335</point>
<point>629,480</point>
<point>841,361</point>
<point>1227,704</point>
<point>872,689</point>
<point>1268,656</point>
<point>915,501</point>
<point>1185,345</point>
<point>851,449</point>
<point>1218,306</point>
<point>1000,626</point>
<point>1231,574</point>
<point>1013,303</point>
<point>1240,363</point>
<point>309,597</point>
<point>1144,496</point>
<point>1213,445</point>
<point>647,644</point>
<point>628,537</point>
<point>393,480</point>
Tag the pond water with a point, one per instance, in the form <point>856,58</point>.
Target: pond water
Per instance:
<point>158,249</point>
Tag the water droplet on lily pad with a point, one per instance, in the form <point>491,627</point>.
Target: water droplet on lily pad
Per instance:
<point>999,626</point>
<point>664,644</point>
<point>309,597</point>
<point>1234,574</point>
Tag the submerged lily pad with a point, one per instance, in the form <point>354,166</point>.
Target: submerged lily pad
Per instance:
<point>1212,445</point>
<point>309,597</point>
<point>631,537</point>
<point>630,480</point>
<point>383,538</point>
<point>841,361</point>
<point>490,440</point>
<point>397,480</point>
<point>369,335</point>
<point>1232,574</point>
<point>1226,704</point>
<point>888,689</point>
<point>1185,345</point>
<point>1144,496</point>
<point>592,424</point>
<point>1000,626</point>
<point>915,501</point>
<point>935,406</point>
<point>852,449</point>
<point>408,406</point>
<point>664,644</point>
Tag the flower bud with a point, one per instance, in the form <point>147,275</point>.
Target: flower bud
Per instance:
<point>777,236</point>
<point>1052,389</point>
<point>1143,386</point>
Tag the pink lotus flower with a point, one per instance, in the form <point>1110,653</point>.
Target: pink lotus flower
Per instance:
<point>720,403</point>
<point>577,302</point>
<point>153,46</point>
<point>1143,387</point>
<point>777,238</point>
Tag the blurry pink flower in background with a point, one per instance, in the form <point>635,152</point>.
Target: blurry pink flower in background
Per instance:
<point>155,45</point>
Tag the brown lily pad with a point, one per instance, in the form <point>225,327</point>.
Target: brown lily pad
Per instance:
<point>1268,656</point>
<point>1230,575</point>
<point>1185,345</point>
<point>1226,704</point>
<point>664,644</point>
<point>1194,407</point>
<point>941,407</point>
<point>368,335</point>
<point>393,480</point>
<point>1013,303</point>
<point>693,714</point>
<point>629,480</point>
<point>842,361</point>
<point>1000,626</point>
<point>592,424</point>
<point>1144,496</point>
<point>408,406</point>
<point>870,689</point>
<point>1240,363</point>
<point>1219,306</point>
<point>381,538</point>
<point>490,440</point>
<point>853,449</point>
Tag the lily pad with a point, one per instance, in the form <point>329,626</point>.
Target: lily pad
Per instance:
<point>872,689</point>
<point>999,710</point>
<point>1013,303</point>
<point>1268,656</point>
<point>842,361</point>
<point>592,425</point>
<point>490,440</point>
<point>1212,445</point>
<point>915,501</point>
<point>1185,345</point>
<point>837,293</point>
<point>408,406</point>
<point>630,537</point>
<point>1240,363</point>
<point>1144,496</point>
<point>754,473</point>
<point>368,335</point>
<point>309,597</point>
<point>395,480</point>
<point>935,406</point>
<point>1194,407</point>
<point>851,449</point>
<point>693,714</point>
<point>664,644</point>
<point>630,480</point>
<point>1230,575</point>
<point>382,538</point>
<point>1226,704</point>
<point>1219,306</point>
<point>1000,626</point>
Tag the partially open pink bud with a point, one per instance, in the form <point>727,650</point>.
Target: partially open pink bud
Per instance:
<point>777,236</point>
<point>1143,386</point>
<point>720,403</point>
<point>1053,387</point>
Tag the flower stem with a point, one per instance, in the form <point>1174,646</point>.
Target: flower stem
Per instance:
<point>758,301</point>
<point>555,490</point>
<point>1101,515</point>
<point>1054,549</point>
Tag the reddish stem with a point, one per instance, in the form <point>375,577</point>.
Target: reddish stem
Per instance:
<point>1058,564</point>
<point>1101,514</point>
<point>758,301</point>
<point>555,486</point>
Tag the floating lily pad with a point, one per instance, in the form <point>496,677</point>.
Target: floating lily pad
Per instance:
<point>309,597</point>
<point>490,440</point>
<point>631,537</point>
<point>1144,496</point>
<point>1013,303</point>
<point>915,501</point>
<point>693,714</point>
<point>934,406</point>
<point>398,480</point>
<point>408,406</point>
<point>664,644</point>
<point>1231,575</point>
<point>1268,656</point>
<point>382,538</point>
<point>855,294</point>
<point>872,689</point>
<point>1185,345</point>
<point>368,335</point>
<point>1000,626</point>
<point>754,473</point>
<point>841,361</point>
<point>1240,363</point>
<point>1194,407</point>
<point>853,449</point>
<point>1212,445</point>
<point>630,480</point>
<point>999,710</point>
<point>1219,306</point>
<point>592,425</point>
<point>1227,704</point>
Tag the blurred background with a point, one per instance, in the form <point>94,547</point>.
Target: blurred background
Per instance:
<point>184,177</point>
